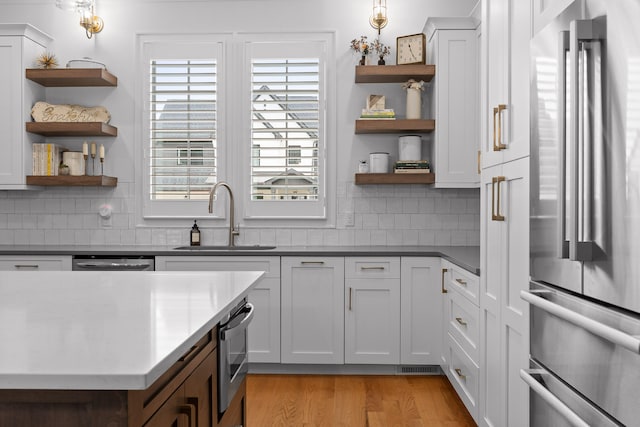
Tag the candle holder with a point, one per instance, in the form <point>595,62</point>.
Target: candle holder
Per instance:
<point>102,166</point>
<point>93,164</point>
<point>86,164</point>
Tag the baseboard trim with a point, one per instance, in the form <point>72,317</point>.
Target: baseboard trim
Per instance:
<point>302,369</point>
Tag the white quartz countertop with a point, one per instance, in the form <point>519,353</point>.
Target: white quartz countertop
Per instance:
<point>107,330</point>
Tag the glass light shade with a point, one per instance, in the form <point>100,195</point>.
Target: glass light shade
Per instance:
<point>378,19</point>
<point>78,6</point>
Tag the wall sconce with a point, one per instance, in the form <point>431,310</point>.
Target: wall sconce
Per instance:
<point>378,19</point>
<point>91,23</point>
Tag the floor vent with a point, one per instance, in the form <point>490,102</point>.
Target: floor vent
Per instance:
<point>419,370</point>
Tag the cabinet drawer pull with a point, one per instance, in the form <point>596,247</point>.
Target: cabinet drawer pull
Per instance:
<point>372,268</point>
<point>462,282</point>
<point>25,266</point>
<point>495,181</point>
<point>190,411</point>
<point>312,262</point>
<point>188,353</point>
<point>460,374</point>
<point>443,290</point>
<point>350,297</point>
<point>460,321</point>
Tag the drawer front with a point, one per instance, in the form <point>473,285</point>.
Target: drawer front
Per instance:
<point>464,375</point>
<point>465,283</point>
<point>35,263</point>
<point>369,267</point>
<point>270,265</point>
<point>463,324</point>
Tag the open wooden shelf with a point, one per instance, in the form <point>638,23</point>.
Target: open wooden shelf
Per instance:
<point>395,126</point>
<point>69,77</point>
<point>72,129</point>
<point>394,73</point>
<point>394,178</point>
<point>72,181</point>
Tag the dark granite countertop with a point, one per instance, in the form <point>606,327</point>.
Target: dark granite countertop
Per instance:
<point>467,257</point>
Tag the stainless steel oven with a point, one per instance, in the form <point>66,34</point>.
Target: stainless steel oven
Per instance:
<point>232,352</point>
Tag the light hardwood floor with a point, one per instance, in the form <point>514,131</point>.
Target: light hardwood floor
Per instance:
<point>353,401</point>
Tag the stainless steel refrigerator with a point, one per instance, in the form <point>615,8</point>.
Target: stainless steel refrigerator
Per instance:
<point>585,217</point>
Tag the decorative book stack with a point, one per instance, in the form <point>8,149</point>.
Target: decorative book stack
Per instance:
<point>386,114</point>
<point>413,166</point>
<point>46,159</point>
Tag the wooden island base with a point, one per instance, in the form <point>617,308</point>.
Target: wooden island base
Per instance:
<point>183,394</point>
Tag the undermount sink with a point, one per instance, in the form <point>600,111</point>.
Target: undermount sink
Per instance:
<point>224,248</point>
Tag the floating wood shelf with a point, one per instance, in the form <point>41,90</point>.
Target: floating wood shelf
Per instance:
<point>72,181</point>
<point>72,129</point>
<point>395,126</point>
<point>394,73</point>
<point>69,77</point>
<point>395,178</point>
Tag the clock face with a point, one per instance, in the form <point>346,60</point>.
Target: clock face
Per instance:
<point>410,49</point>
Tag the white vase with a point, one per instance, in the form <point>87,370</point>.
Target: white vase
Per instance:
<point>413,103</point>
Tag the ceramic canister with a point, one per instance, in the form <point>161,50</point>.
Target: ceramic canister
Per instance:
<point>410,147</point>
<point>379,162</point>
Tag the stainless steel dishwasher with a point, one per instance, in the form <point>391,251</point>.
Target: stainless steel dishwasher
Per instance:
<point>113,263</point>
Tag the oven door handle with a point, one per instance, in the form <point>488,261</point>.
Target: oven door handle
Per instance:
<point>615,336</point>
<point>550,398</point>
<point>248,310</point>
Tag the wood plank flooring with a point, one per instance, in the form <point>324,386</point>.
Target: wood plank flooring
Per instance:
<point>353,401</point>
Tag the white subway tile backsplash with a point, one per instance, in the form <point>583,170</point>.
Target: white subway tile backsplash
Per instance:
<point>383,215</point>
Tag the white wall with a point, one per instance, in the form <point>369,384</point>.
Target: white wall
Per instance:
<point>392,215</point>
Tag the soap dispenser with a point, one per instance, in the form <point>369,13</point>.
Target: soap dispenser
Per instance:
<point>195,234</point>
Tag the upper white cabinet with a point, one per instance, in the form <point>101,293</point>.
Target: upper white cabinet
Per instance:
<point>544,11</point>
<point>20,45</point>
<point>35,263</point>
<point>264,329</point>
<point>453,98</point>
<point>372,314</point>
<point>421,311</point>
<point>505,107</point>
<point>312,310</point>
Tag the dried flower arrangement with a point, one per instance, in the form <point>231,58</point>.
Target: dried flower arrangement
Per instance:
<point>412,84</point>
<point>361,46</point>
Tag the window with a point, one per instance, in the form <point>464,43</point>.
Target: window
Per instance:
<point>269,143</point>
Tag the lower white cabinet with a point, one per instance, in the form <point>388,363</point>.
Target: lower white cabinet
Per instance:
<point>372,315</point>
<point>421,311</point>
<point>35,262</point>
<point>264,330</point>
<point>312,310</point>
<point>461,356</point>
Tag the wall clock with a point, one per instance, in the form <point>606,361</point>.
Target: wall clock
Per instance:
<point>411,49</point>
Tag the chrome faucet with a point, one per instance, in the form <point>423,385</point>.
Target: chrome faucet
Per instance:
<point>233,232</point>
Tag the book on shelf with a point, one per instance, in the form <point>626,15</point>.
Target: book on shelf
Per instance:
<point>378,114</point>
<point>412,164</point>
<point>46,159</point>
<point>412,170</point>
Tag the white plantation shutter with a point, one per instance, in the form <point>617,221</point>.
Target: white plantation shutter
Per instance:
<point>182,137</point>
<point>182,156</point>
<point>286,176</point>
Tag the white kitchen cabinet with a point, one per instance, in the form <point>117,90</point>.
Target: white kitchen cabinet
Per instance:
<point>20,45</point>
<point>264,330</point>
<point>35,262</point>
<point>312,310</point>
<point>453,98</point>
<point>421,311</point>
<point>505,109</point>
<point>504,317</point>
<point>545,11</point>
<point>372,314</point>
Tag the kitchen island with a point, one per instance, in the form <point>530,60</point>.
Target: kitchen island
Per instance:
<point>113,348</point>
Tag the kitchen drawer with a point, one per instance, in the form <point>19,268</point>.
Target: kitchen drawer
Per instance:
<point>464,375</point>
<point>270,265</point>
<point>35,263</point>
<point>460,280</point>
<point>464,324</point>
<point>370,267</point>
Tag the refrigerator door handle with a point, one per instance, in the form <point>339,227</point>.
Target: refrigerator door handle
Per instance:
<point>585,128</point>
<point>550,398</point>
<point>615,336</point>
<point>563,127</point>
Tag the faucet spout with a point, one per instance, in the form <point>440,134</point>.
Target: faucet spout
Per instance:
<point>233,232</point>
